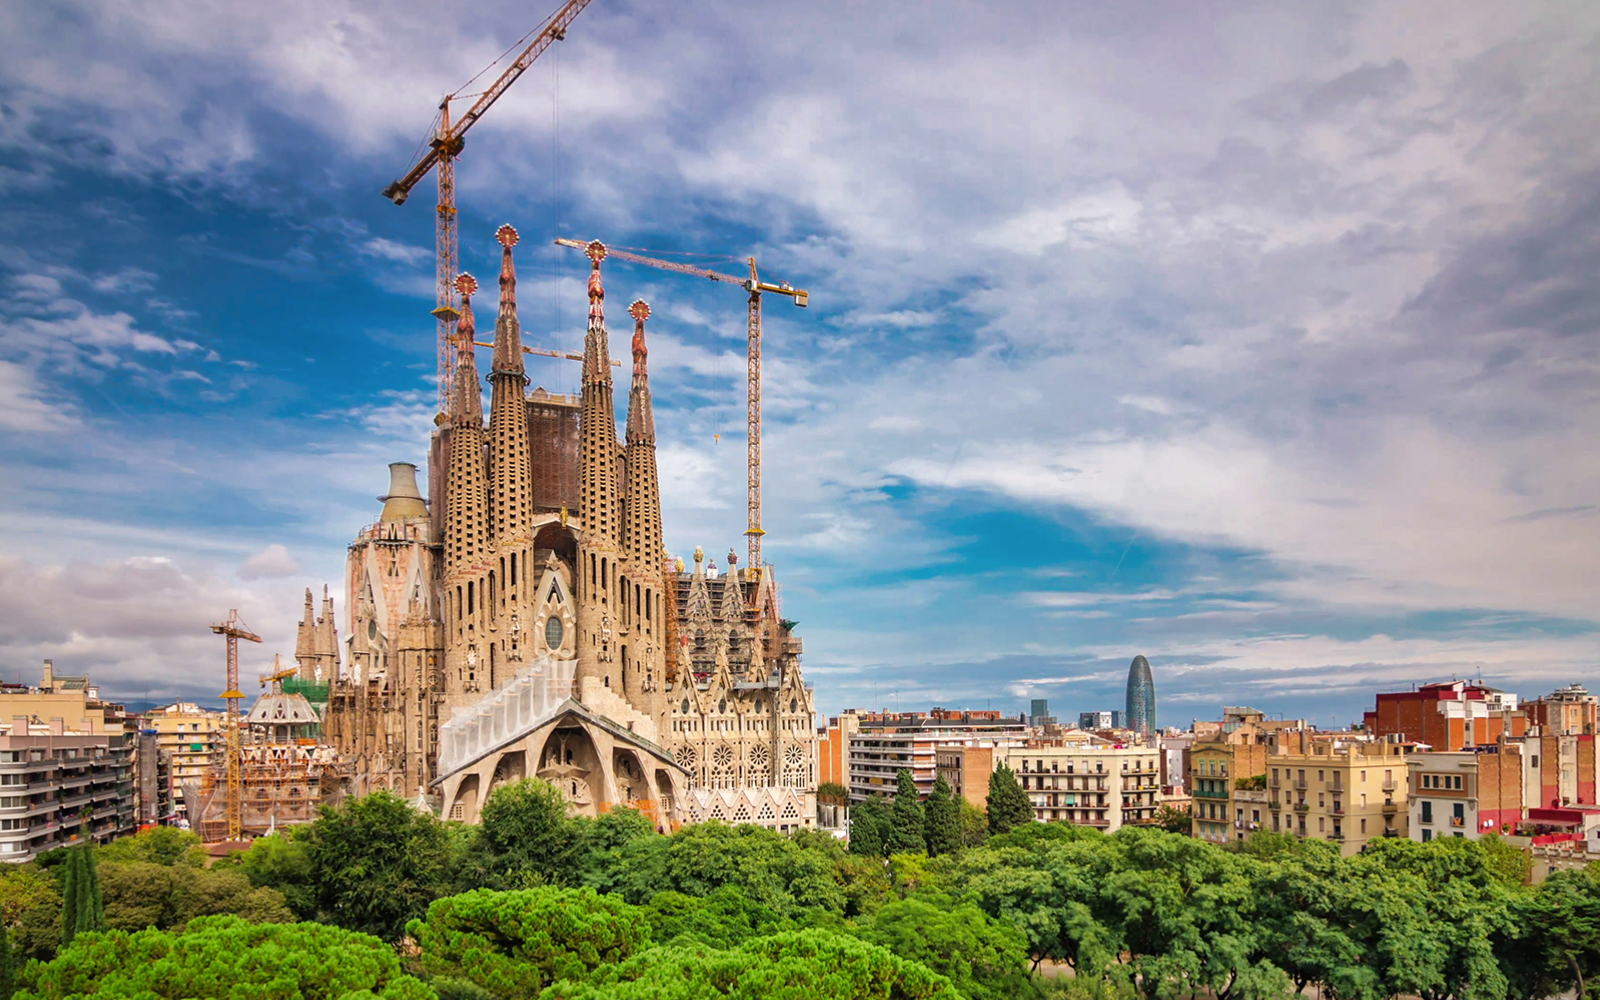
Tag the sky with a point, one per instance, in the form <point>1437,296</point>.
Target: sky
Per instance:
<point>1259,339</point>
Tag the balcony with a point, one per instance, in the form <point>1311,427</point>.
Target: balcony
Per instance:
<point>1389,807</point>
<point>1300,783</point>
<point>1338,808</point>
<point>1458,821</point>
<point>1301,807</point>
<point>1274,805</point>
<point>1388,784</point>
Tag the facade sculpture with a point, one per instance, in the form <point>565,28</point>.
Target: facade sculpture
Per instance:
<point>529,622</point>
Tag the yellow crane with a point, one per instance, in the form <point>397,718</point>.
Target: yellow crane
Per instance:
<point>756,288</point>
<point>233,630</point>
<point>444,147</point>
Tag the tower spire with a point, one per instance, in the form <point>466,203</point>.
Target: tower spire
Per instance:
<point>599,545</point>
<point>510,464</point>
<point>641,416</point>
<point>466,490</point>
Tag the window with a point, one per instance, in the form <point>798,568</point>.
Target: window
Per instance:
<point>1363,826</point>
<point>1427,811</point>
<point>1427,835</point>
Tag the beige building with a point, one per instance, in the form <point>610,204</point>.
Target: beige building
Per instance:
<point>525,620</point>
<point>1348,792</point>
<point>1226,775</point>
<point>1103,786</point>
<point>189,736</point>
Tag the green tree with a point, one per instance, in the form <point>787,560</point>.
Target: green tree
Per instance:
<point>974,824</point>
<point>832,791</point>
<point>604,840</point>
<point>701,857</point>
<point>224,958</point>
<point>943,816</point>
<point>724,919</point>
<point>527,829</point>
<point>159,845</point>
<point>1008,804</point>
<point>377,863</point>
<point>906,829</point>
<point>82,909</point>
<point>30,903</point>
<point>283,862</point>
<point>1173,820</point>
<point>983,958</point>
<point>789,966</point>
<point>8,965</point>
<point>869,822</point>
<point>513,944</point>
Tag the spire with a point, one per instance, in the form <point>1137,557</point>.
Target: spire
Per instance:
<point>509,462</point>
<point>507,331</point>
<point>467,406</point>
<point>596,351</point>
<point>641,415</point>
<point>466,492</point>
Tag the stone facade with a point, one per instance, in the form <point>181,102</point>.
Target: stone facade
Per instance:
<point>530,623</point>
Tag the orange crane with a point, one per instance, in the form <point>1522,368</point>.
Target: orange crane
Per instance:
<point>755,287</point>
<point>233,630</point>
<point>443,148</point>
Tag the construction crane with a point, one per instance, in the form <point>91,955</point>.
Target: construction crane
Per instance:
<point>755,287</point>
<point>443,148</point>
<point>233,630</point>
<point>566,355</point>
<point>280,673</point>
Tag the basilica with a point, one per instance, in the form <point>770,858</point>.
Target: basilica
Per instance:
<point>525,619</point>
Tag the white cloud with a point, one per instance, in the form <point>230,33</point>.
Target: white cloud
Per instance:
<point>23,406</point>
<point>272,562</point>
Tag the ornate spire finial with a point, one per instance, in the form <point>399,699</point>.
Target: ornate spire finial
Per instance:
<point>508,272</point>
<point>466,284</point>
<point>640,311</point>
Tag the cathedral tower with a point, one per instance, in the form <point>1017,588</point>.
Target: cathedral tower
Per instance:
<point>643,616</point>
<point>598,548</point>
<point>467,538</point>
<point>508,412</point>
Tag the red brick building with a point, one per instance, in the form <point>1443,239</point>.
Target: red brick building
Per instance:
<point>1448,716</point>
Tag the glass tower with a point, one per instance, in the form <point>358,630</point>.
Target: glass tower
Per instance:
<point>1141,715</point>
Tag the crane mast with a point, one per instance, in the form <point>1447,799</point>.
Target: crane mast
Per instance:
<point>233,630</point>
<point>756,287</point>
<point>443,149</point>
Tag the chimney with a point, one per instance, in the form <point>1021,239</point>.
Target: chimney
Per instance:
<point>58,726</point>
<point>402,502</point>
<point>49,681</point>
<point>19,725</point>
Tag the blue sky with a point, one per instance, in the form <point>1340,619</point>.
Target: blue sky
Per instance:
<point>1261,341</point>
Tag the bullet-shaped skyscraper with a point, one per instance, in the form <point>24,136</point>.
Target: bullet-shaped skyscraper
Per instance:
<point>1141,715</point>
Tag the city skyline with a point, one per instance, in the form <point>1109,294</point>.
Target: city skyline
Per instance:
<point>1260,350</point>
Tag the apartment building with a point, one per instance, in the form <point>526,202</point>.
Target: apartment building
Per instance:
<point>1221,769</point>
<point>1341,790</point>
<point>1568,711</point>
<point>1448,716</point>
<point>1104,786</point>
<point>966,769</point>
<point>58,786</point>
<point>1466,794</point>
<point>887,743</point>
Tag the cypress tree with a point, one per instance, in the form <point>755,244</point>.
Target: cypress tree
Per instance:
<point>69,898</point>
<point>1008,804</point>
<point>8,968</point>
<point>92,916</point>
<point>943,814</point>
<point>905,835</point>
<point>866,828</point>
